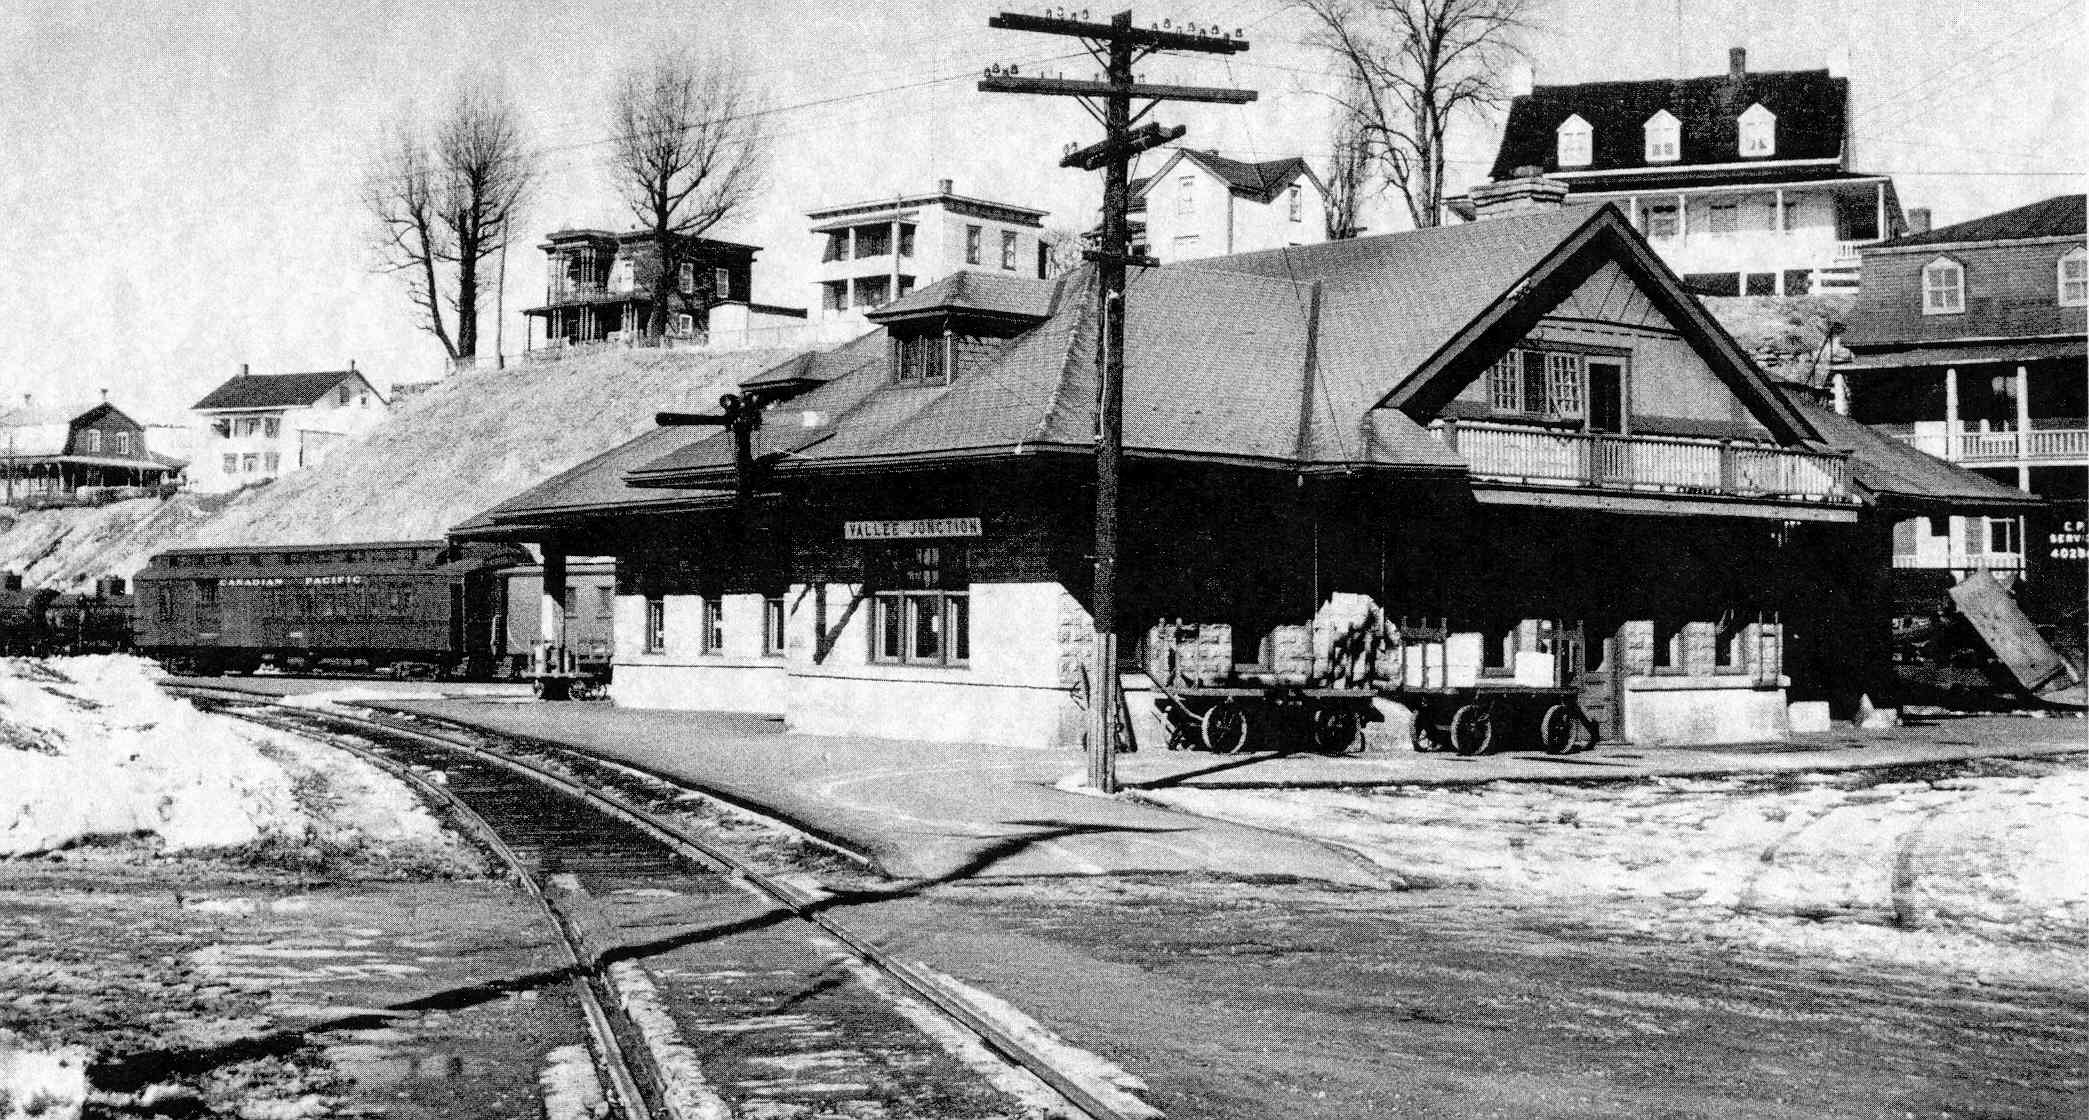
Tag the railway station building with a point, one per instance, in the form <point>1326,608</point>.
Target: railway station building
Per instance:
<point>1515,453</point>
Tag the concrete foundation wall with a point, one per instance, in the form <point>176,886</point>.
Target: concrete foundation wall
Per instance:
<point>1668,711</point>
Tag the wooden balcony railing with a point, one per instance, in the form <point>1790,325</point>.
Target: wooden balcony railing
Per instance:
<point>2038,444</point>
<point>1962,561</point>
<point>1663,464</point>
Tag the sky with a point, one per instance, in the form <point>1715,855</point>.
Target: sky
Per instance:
<point>179,187</point>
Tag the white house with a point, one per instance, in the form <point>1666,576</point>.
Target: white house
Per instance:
<point>256,427</point>
<point>1742,181</point>
<point>1201,204</point>
<point>874,252</point>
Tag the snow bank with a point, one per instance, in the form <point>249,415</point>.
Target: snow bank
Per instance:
<point>91,749</point>
<point>474,440</point>
<point>39,1083</point>
<point>2000,859</point>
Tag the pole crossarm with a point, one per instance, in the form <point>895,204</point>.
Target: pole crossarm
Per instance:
<point>1095,156</point>
<point>1076,87</point>
<point>1151,37</point>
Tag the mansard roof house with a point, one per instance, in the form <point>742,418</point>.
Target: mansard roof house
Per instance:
<point>1518,449</point>
<point>1744,182</point>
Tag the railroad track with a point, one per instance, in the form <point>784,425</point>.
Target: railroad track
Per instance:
<point>530,802</point>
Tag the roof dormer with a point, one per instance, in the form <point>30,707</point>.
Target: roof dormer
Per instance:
<point>1758,132</point>
<point>1664,138</point>
<point>1576,142</point>
<point>938,331</point>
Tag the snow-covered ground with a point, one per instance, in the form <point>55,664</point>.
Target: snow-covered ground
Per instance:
<point>1984,872</point>
<point>91,749</point>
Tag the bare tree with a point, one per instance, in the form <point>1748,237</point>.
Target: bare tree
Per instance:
<point>690,151</point>
<point>1414,67</point>
<point>1348,175</point>
<point>445,196</point>
<point>1063,247</point>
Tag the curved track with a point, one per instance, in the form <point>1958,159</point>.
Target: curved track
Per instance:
<point>524,798</point>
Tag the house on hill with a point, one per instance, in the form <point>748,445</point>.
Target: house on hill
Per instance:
<point>1743,182</point>
<point>878,250</point>
<point>1515,453</point>
<point>600,287</point>
<point>1201,204</point>
<point>256,427</point>
<point>1969,342</point>
<point>59,455</point>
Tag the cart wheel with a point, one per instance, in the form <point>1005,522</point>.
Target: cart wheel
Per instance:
<point>1338,730</point>
<point>1564,730</point>
<point>1472,730</point>
<point>1225,726</point>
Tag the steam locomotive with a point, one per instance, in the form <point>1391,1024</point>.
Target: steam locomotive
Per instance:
<point>39,621</point>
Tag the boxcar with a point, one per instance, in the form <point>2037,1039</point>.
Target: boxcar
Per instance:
<point>590,609</point>
<point>425,607</point>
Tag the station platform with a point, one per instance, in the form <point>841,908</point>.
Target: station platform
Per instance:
<point>936,811</point>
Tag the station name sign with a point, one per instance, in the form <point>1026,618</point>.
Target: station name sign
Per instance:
<point>279,581</point>
<point>919,529</point>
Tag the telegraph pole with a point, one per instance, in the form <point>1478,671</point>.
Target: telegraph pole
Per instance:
<point>1118,46</point>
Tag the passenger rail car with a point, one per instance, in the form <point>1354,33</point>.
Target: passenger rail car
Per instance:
<point>590,616</point>
<point>420,607</point>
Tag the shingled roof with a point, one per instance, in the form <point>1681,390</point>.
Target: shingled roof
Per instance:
<point>1811,108</point>
<point>1259,181</point>
<point>982,293</point>
<point>275,390</point>
<point>2059,216</point>
<point>1913,482</point>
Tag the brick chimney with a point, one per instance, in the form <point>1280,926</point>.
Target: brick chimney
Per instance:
<point>1529,192</point>
<point>1736,63</point>
<point>1918,219</point>
<point>943,185</point>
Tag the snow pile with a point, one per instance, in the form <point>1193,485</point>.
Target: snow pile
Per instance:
<point>68,549</point>
<point>474,440</point>
<point>1998,858</point>
<point>91,749</point>
<point>39,1083</point>
<point>333,697</point>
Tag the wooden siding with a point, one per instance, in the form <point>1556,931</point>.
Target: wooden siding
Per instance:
<point>2012,290</point>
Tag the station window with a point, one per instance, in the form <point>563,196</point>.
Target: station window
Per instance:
<point>714,624</point>
<point>1668,645</point>
<point>921,360</point>
<point>605,601</point>
<point>1540,382</point>
<point>772,625</point>
<point>656,624</point>
<point>1728,642</point>
<point>922,608</point>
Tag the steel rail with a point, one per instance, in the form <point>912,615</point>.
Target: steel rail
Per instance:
<point>630,1100</point>
<point>804,906</point>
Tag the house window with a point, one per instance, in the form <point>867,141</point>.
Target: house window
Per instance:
<point>1576,142</point>
<point>1659,220</point>
<point>714,624</point>
<point>346,393</point>
<point>973,237</point>
<point>2002,536</point>
<point>686,281</point>
<point>721,283</point>
<point>772,626</point>
<point>1296,202</point>
<point>921,360</point>
<point>94,442</point>
<point>906,241</point>
<point>922,609</point>
<point>231,464</point>
<point>271,461</point>
<point>123,443</point>
<point>1186,195</point>
<point>685,324</point>
<point>656,624</point>
<point>1664,138</point>
<point>1943,287</point>
<point>1758,132</point>
<point>873,241</point>
<point>271,428</point>
<point>249,462</point>
<point>1785,213</point>
<point>1008,249</point>
<point>837,248</point>
<point>1725,216</point>
<point>2074,278</point>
